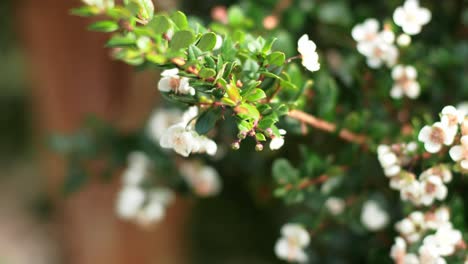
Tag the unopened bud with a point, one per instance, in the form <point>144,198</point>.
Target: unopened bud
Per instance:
<point>242,135</point>
<point>259,147</point>
<point>235,145</point>
<point>252,133</point>
<point>269,132</point>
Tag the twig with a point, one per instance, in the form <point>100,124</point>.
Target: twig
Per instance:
<point>307,183</point>
<point>327,126</point>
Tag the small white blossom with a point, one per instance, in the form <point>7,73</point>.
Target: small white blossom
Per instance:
<point>376,46</point>
<point>160,121</point>
<point>180,139</point>
<point>154,209</point>
<point>411,17</point>
<point>427,255</point>
<point>438,218</point>
<point>374,217</point>
<point>203,179</point>
<point>435,136</point>
<point>307,49</point>
<point>290,246</point>
<point>276,143</point>
<point>388,160</point>
<point>335,205</point>
<point>129,201</point>
<point>100,4</point>
<point>405,82</point>
<point>137,169</point>
<point>441,171</point>
<point>172,82</point>
<point>450,117</point>
<point>403,40</point>
<point>412,227</point>
<point>398,250</point>
<point>444,241</point>
<point>433,188</point>
<point>412,191</point>
<point>459,153</point>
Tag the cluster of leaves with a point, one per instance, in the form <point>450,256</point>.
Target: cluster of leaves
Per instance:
<point>244,75</point>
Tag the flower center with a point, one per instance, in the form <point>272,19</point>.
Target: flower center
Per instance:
<point>174,83</point>
<point>437,135</point>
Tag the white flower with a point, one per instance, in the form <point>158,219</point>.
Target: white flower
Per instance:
<point>100,4</point>
<point>412,191</point>
<point>307,49</point>
<point>276,143</point>
<point>412,227</point>
<point>137,169</point>
<point>189,116</point>
<point>398,251</point>
<point>203,179</point>
<point>129,201</point>
<point>411,17</point>
<point>405,82</point>
<point>435,136</point>
<point>463,108</point>
<point>180,139</point>
<point>376,46</point>
<point>444,241</point>
<point>335,205</point>
<point>160,121</point>
<point>451,117</point>
<point>373,216</point>
<point>441,171</point>
<point>403,40</point>
<point>290,246</point>
<point>459,153</point>
<point>411,259</point>
<point>438,218</point>
<point>388,160</point>
<point>433,188</point>
<point>155,208</point>
<point>366,32</point>
<point>427,255</point>
<point>172,82</point>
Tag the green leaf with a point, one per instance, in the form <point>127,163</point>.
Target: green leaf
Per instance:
<point>255,95</point>
<point>207,120</point>
<point>282,110</point>
<point>160,24</point>
<point>233,93</point>
<point>182,40</point>
<point>146,8</point>
<point>207,42</point>
<point>260,137</point>
<point>85,11</point>
<point>284,172</point>
<point>75,179</point>
<point>236,16</point>
<point>248,111</point>
<point>180,20</point>
<point>121,41</point>
<point>276,58</point>
<point>104,26</point>
<point>207,73</point>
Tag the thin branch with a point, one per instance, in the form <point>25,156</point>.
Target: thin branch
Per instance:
<point>327,126</point>
<point>307,183</point>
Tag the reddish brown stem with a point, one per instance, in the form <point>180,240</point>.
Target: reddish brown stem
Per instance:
<point>327,127</point>
<point>307,183</point>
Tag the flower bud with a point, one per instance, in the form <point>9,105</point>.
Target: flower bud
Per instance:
<point>242,135</point>
<point>235,145</point>
<point>252,133</point>
<point>259,147</point>
<point>269,132</point>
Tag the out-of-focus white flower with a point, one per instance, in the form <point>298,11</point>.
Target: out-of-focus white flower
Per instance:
<point>137,168</point>
<point>433,188</point>
<point>427,255</point>
<point>412,227</point>
<point>129,202</point>
<point>203,179</point>
<point>276,143</point>
<point>405,82</point>
<point>412,191</point>
<point>172,82</point>
<point>154,209</point>
<point>459,153</point>
<point>451,118</point>
<point>444,241</point>
<point>463,108</point>
<point>377,46</point>
<point>403,40</point>
<point>411,17</point>
<point>290,246</point>
<point>307,49</point>
<point>398,250</point>
<point>100,4</point>
<point>441,171</point>
<point>160,121</point>
<point>388,160</point>
<point>189,116</point>
<point>373,217</point>
<point>335,205</point>
<point>435,136</point>
<point>438,218</point>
